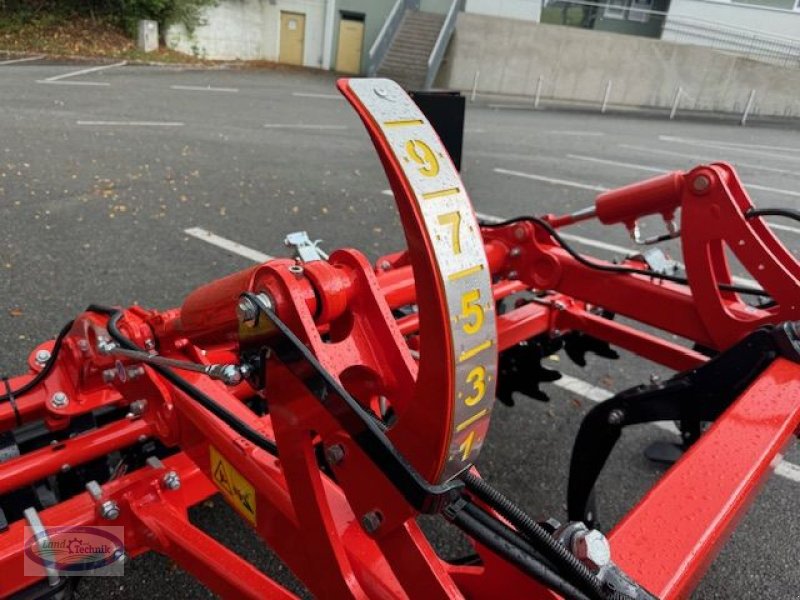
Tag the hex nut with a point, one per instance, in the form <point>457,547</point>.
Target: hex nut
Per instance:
<point>109,510</point>
<point>372,521</point>
<point>592,549</point>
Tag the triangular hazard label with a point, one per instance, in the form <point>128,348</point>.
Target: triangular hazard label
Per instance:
<point>221,477</point>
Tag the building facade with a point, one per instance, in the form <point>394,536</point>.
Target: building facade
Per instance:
<point>325,34</point>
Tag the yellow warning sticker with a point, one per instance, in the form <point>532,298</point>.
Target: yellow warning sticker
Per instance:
<point>237,490</point>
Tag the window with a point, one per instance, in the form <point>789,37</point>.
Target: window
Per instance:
<point>639,16</point>
<point>616,9</point>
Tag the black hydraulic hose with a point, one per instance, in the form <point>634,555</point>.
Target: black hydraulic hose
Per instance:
<point>773,212</point>
<point>41,375</point>
<point>726,287</point>
<point>517,556</point>
<point>537,535</point>
<point>223,414</point>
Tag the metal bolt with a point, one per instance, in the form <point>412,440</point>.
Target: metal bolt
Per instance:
<point>142,439</point>
<point>592,549</point>
<point>247,311</point>
<point>135,372</point>
<point>296,270</point>
<point>655,379</point>
<point>559,305</point>
<point>149,344</point>
<point>137,406</point>
<point>701,183</point>
<point>515,252</point>
<point>59,400</point>
<point>371,521</point>
<point>109,510</point>
<point>66,468</point>
<point>386,265</point>
<point>513,274</point>
<point>42,356</point>
<point>171,480</point>
<point>334,454</point>
<point>94,489</point>
<point>616,417</point>
<point>109,375</point>
<point>105,346</point>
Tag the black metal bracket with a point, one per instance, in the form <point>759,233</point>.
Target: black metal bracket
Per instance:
<point>701,394</point>
<point>362,426</point>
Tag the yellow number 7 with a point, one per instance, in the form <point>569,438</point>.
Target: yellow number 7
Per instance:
<point>453,219</point>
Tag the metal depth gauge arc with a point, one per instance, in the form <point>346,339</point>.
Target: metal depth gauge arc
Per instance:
<point>458,333</point>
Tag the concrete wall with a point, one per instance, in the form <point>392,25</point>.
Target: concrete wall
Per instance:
<point>250,30</point>
<point>525,10</point>
<point>766,20</point>
<point>577,64</point>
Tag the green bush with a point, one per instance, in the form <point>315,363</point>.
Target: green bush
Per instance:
<point>125,12</point>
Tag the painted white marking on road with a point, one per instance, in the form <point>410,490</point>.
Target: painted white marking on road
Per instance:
<point>650,169</point>
<point>759,146</point>
<point>567,382</point>
<point>132,123</point>
<point>94,83</point>
<point>511,106</point>
<point>86,71</point>
<point>204,88</point>
<point>302,126</point>
<point>14,61</point>
<point>702,144</point>
<point>784,227</point>
<point>551,180</point>
<point>471,130</point>
<point>387,193</point>
<point>578,133</point>
<point>226,244</point>
<point>705,158</point>
<point>321,96</point>
<point>616,163</point>
<point>596,394</point>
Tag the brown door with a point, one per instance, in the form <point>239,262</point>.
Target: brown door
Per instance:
<point>293,34</point>
<point>348,53</point>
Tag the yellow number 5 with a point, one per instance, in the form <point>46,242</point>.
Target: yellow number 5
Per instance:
<point>471,309</point>
<point>422,154</point>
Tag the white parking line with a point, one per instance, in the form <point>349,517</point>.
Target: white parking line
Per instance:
<point>226,244</point>
<point>715,146</point>
<point>551,180</point>
<point>759,146</point>
<point>14,61</point>
<point>567,382</point>
<point>321,96</point>
<point>132,123</point>
<point>303,126</point>
<point>578,133</point>
<point>705,158</point>
<point>651,169</point>
<point>85,71</point>
<point>201,88</point>
<point>95,83</point>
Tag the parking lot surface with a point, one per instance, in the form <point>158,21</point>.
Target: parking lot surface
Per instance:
<point>113,176</point>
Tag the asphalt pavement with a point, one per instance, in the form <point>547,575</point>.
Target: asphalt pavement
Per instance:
<point>103,171</point>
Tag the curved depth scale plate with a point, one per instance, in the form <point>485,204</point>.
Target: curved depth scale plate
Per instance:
<point>449,224</point>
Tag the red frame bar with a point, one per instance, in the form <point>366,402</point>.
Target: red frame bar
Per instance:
<point>667,543</point>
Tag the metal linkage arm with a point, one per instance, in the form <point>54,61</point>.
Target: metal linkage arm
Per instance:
<point>701,394</point>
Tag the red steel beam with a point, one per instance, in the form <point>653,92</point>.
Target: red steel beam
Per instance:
<point>670,538</point>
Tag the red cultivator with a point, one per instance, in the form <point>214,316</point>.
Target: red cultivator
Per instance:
<point>332,403</point>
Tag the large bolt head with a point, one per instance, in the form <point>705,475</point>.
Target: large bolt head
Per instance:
<point>109,510</point>
<point>171,480</point>
<point>592,549</point>
<point>247,311</point>
<point>42,356</point>
<point>371,521</point>
<point>59,400</point>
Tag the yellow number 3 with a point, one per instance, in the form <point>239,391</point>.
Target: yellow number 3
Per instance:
<point>477,377</point>
<point>422,154</point>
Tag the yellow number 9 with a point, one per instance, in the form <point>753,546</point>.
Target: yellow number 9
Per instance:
<point>421,153</point>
